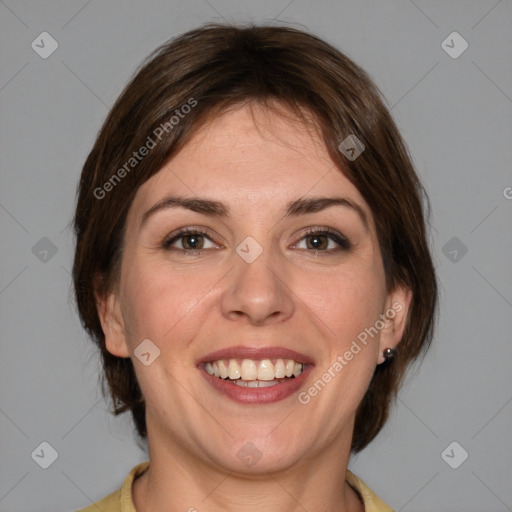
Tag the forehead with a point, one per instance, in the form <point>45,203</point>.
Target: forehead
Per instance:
<point>252,158</point>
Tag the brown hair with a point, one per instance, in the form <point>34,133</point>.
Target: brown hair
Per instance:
<point>211,69</point>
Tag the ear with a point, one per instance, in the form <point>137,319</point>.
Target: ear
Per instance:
<point>111,318</point>
<point>395,319</point>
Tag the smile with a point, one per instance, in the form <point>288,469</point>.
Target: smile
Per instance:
<point>254,373</point>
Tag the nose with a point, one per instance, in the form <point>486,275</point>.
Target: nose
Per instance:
<point>258,292</point>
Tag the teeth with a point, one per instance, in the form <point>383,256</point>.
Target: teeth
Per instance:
<point>297,369</point>
<point>255,383</point>
<point>249,371</point>
<point>223,369</point>
<point>267,384</point>
<point>254,373</point>
<point>233,370</point>
<point>279,369</point>
<point>266,370</point>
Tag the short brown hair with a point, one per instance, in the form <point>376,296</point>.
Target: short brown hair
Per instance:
<point>213,68</point>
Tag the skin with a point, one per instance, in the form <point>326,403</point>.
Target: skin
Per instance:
<point>190,305</point>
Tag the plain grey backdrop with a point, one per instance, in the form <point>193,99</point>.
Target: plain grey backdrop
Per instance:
<point>448,444</point>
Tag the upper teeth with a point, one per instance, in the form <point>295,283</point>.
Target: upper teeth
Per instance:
<point>249,369</point>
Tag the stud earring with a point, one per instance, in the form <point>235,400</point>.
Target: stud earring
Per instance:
<point>389,353</point>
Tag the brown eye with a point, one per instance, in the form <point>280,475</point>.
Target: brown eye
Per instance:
<point>326,241</point>
<point>192,241</point>
<point>317,242</point>
<point>188,240</point>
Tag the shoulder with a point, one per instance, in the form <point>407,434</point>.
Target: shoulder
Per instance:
<point>120,500</point>
<point>111,503</point>
<point>372,503</point>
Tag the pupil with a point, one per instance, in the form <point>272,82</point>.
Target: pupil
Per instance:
<point>192,241</point>
<point>317,242</point>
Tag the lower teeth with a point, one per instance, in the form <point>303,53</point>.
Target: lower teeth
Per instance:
<point>257,383</point>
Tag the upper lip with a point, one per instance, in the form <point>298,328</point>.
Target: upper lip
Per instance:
<point>256,353</point>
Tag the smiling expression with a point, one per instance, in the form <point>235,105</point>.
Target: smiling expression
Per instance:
<point>250,245</point>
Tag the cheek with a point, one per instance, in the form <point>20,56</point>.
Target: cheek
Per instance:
<point>347,301</point>
<point>157,302</point>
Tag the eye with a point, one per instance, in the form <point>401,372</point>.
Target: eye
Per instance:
<point>323,240</point>
<point>188,240</point>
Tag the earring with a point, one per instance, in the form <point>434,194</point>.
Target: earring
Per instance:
<point>389,353</point>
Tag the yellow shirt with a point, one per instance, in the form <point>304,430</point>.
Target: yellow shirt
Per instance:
<point>121,500</point>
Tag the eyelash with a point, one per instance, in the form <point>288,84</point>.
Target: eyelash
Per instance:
<point>342,241</point>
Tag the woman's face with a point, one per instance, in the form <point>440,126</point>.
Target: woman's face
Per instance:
<point>257,277</point>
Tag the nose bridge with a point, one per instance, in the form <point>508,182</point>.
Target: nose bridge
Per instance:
<point>256,288</point>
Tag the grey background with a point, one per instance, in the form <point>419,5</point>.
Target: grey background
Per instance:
<point>455,114</point>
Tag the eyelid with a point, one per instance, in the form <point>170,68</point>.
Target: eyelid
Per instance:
<point>343,242</point>
<point>182,232</point>
<point>340,239</point>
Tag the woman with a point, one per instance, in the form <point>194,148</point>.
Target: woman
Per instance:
<point>252,261</point>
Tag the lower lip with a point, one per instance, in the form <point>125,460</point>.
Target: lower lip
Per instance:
<point>268,395</point>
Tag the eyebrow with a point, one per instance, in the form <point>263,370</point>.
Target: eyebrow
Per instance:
<point>212,208</point>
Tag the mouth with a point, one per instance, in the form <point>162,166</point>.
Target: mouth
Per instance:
<point>256,376</point>
<point>254,373</point>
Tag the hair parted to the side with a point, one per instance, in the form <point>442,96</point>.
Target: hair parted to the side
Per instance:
<point>224,66</point>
